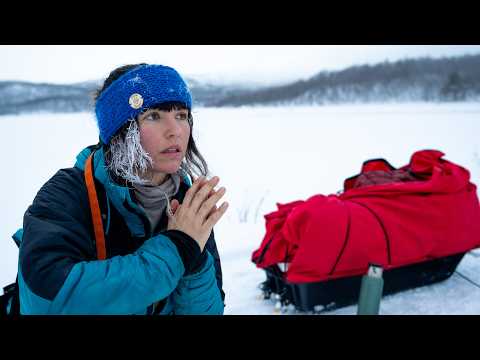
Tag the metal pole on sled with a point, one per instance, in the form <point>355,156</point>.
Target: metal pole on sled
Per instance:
<point>371,291</point>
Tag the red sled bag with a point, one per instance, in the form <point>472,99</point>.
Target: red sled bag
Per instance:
<point>421,218</point>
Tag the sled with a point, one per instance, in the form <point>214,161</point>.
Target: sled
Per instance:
<point>333,294</point>
<point>416,222</point>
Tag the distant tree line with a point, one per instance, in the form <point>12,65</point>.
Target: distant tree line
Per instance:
<point>423,79</point>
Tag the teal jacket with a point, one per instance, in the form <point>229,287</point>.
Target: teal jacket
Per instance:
<point>58,271</point>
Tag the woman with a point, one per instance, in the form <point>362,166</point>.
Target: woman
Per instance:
<point>161,256</point>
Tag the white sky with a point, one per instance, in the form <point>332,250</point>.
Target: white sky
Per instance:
<point>265,64</point>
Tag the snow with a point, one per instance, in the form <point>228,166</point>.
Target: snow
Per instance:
<point>264,155</point>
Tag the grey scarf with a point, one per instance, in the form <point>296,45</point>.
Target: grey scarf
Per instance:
<point>153,199</point>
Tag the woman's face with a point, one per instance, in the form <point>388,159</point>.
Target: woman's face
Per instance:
<point>164,136</point>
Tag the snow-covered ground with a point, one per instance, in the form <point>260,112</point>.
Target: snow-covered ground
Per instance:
<point>264,155</point>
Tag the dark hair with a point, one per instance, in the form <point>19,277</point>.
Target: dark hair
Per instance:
<point>194,160</point>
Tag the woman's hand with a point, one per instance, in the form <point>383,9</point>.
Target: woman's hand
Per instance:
<point>198,213</point>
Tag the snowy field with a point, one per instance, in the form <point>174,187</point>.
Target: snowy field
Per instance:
<point>263,156</point>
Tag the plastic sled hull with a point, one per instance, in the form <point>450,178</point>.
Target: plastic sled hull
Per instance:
<point>332,294</point>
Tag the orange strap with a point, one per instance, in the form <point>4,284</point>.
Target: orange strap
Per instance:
<point>95,210</point>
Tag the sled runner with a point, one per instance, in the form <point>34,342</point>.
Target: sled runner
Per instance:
<point>417,222</point>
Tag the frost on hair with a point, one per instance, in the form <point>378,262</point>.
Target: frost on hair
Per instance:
<point>127,158</point>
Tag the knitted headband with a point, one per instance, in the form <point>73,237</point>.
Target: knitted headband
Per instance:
<point>134,92</point>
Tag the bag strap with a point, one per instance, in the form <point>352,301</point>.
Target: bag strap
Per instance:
<point>95,210</point>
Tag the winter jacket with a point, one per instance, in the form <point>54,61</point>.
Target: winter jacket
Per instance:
<point>58,270</point>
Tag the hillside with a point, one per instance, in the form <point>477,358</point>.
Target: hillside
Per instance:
<point>411,80</point>
<point>425,79</point>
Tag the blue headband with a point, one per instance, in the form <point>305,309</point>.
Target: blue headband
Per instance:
<point>134,92</point>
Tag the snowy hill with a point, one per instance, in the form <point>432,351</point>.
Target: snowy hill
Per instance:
<point>22,97</point>
<point>414,80</point>
<point>18,97</point>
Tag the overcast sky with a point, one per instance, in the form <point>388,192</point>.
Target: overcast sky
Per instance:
<point>267,64</point>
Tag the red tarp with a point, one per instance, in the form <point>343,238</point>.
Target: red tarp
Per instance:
<point>425,210</point>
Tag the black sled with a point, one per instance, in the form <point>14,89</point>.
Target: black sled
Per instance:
<point>333,294</point>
